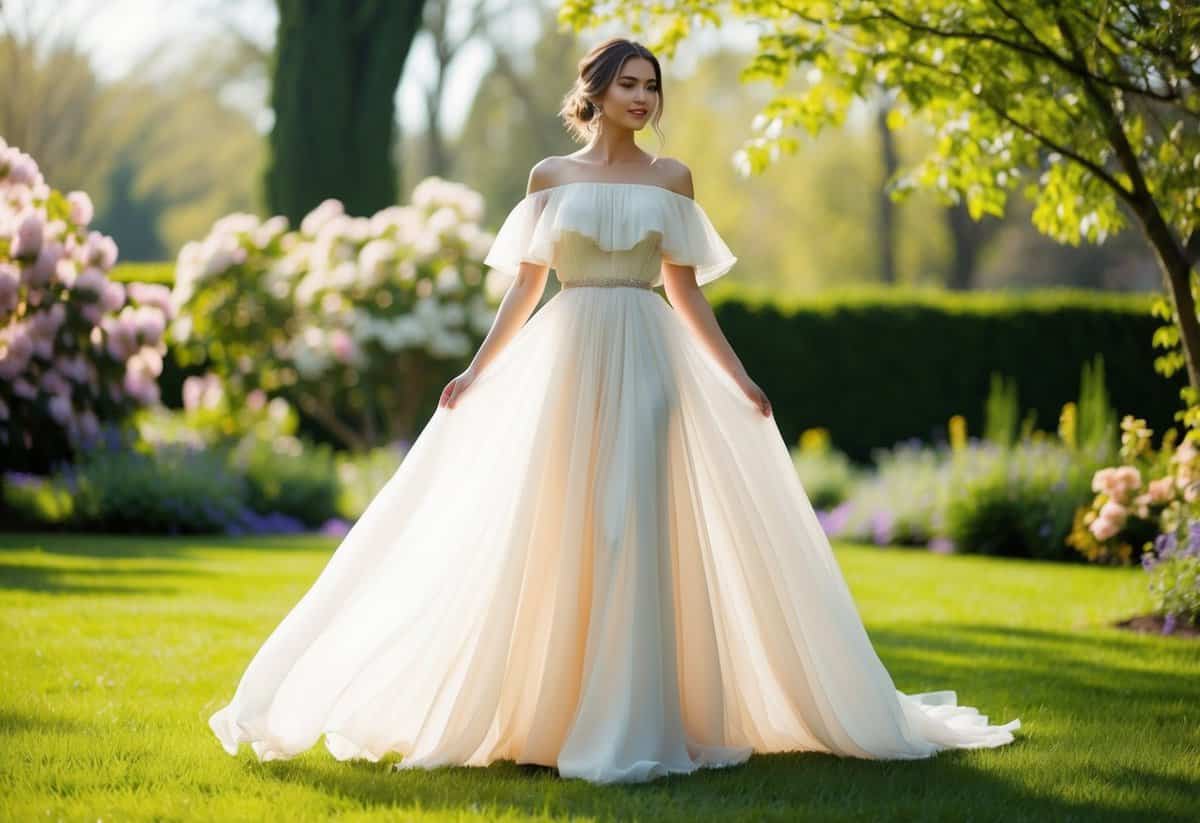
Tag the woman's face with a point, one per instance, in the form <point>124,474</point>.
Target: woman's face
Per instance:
<point>632,97</point>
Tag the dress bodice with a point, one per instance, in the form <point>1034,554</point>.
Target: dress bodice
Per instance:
<point>593,232</point>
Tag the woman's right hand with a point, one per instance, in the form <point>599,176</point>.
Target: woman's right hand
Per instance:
<point>456,387</point>
<point>757,396</point>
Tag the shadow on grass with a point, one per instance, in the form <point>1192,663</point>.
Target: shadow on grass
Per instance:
<point>80,544</point>
<point>783,786</point>
<point>90,580</point>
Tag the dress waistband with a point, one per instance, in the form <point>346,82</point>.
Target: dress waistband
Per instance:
<point>608,281</point>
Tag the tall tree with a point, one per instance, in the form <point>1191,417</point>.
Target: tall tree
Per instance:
<point>1095,102</point>
<point>333,87</point>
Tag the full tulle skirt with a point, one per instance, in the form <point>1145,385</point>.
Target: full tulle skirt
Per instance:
<point>601,560</point>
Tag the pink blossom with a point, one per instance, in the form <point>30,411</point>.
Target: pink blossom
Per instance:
<point>1160,490</point>
<point>202,392</point>
<point>1102,528</point>
<point>1115,512</point>
<point>112,297</point>
<point>140,386</point>
<point>91,281</point>
<point>256,400</point>
<point>22,169</point>
<point>89,426</point>
<point>100,250</point>
<point>342,345</point>
<point>150,324</point>
<point>92,312</point>
<point>150,294</point>
<point>60,408</point>
<point>66,272</point>
<point>27,240</point>
<point>54,383</point>
<point>23,388</point>
<point>47,260</point>
<point>81,208</point>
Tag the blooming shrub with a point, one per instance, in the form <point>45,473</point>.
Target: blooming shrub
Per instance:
<point>1150,506</point>
<point>76,348</point>
<point>353,319</point>
<point>826,473</point>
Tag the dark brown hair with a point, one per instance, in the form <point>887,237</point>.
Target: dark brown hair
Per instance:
<point>598,68</point>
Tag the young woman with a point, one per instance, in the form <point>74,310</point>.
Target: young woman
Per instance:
<point>597,555</point>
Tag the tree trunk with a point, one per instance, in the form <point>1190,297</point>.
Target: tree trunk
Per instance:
<point>887,209</point>
<point>333,87</point>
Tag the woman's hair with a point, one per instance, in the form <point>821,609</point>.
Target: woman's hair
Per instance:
<point>598,68</point>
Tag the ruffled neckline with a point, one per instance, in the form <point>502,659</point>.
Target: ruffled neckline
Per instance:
<point>608,183</point>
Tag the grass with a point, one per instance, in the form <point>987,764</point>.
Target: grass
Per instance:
<point>117,649</point>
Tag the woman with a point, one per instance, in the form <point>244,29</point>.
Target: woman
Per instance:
<point>597,555</point>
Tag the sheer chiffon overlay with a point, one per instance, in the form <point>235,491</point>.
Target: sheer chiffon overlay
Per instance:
<point>601,559</point>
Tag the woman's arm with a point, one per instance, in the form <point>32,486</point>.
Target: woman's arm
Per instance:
<point>692,306</point>
<point>519,301</point>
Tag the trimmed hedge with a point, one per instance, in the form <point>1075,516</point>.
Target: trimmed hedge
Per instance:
<point>878,365</point>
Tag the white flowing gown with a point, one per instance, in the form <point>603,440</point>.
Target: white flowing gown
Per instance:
<point>601,559</point>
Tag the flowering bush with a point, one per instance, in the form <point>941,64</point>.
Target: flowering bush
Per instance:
<point>76,348</point>
<point>1150,505</point>
<point>1134,500</point>
<point>826,473</point>
<point>352,319</point>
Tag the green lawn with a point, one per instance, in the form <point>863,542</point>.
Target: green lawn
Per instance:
<point>116,650</point>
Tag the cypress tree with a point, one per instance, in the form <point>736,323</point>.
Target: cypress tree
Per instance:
<point>334,77</point>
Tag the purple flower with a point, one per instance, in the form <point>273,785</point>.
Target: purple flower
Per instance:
<point>834,520</point>
<point>1169,623</point>
<point>941,545</point>
<point>1148,561</point>
<point>882,522</point>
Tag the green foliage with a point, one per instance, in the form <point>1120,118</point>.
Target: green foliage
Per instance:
<point>1001,411</point>
<point>1089,103</point>
<point>826,473</point>
<point>878,366</point>
<point>286,475</point>
<point>172,489</point>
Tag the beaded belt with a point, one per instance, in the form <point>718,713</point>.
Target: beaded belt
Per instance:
<point>608,281</point>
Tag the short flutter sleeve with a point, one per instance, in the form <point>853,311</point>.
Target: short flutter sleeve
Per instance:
<point>690,239</point>
<point>521,237</point>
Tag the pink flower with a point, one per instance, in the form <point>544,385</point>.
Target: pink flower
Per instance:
<point>1160,490</point>
<point>23,388</point>
<point>99,250</point>
<point>1102,528</point>
<point>342,345</point>
<point>112,297</point>
<point>81,208</point>
<point>47,260</point>
<point>89,426</point>
<point>256,400</point>
<point>27,240</point>
<point>60,408</point>
<point>91,281</point>
<point>150,324</point>
<point>22,169</point>
<point>1114,511</point>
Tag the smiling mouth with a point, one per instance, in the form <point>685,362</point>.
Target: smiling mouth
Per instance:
<point>638,112</point>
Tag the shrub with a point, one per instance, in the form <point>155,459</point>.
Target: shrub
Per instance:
<point>173,489</point>
<point>76,347</point>
<point>353,319</point>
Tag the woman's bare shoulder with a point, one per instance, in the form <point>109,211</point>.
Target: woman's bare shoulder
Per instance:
<point>677,176</point>
<point>545,173</point>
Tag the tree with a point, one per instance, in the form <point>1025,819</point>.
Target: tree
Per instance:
<point>333,87</point>
<point>1095,103</point>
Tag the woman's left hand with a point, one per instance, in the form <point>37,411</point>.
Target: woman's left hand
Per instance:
<point>756,395</point>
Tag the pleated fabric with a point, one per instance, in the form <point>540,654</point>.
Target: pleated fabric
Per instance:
<point>601,559</point>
